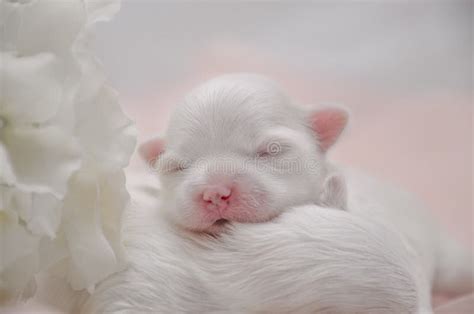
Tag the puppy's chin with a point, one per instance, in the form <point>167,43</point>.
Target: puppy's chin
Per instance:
<point>215,228</point>
<point>218,227</point>
<point>222,225</point>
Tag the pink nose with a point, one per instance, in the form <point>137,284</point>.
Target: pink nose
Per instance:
<point>217,195</point>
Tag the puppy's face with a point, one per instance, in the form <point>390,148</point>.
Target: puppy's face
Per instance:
<point>236,150</point>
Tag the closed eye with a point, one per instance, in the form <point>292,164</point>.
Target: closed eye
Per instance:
<point>272,148</point>
<point>263,154</point>
<point>177,169</point>
<point>172,165</point>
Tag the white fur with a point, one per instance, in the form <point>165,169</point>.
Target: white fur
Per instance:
<point>382,255</point>
<point>310,259</point>
<point>379,258</point>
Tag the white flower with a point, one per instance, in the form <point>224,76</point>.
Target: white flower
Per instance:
<point>37,155</point>
<point>36,160</point>
<point>64,142</point>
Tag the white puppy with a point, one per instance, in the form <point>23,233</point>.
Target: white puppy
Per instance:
<point>238,150</point>
<point>217,165</point>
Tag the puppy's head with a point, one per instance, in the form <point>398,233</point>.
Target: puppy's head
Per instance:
<point>236,149</point>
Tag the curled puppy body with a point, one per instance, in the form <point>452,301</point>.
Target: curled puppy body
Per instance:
<point>307,260</point>
<point>238,150</point>
<point>310,259</point>
<point>381,256</point>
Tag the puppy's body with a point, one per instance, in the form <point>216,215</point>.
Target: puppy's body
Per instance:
<point>381,256</point>
<point>308,260</point>
<point>445,266</point>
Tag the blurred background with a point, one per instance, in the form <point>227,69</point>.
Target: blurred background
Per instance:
<point>404,69</point>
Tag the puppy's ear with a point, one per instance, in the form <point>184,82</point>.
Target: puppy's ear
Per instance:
<point>328,124</point>
<point>151,149</point>
<point>334,192</point>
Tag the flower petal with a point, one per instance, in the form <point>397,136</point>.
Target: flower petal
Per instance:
<point>51,251</point>
<point>42,26</point>
<point>32,88</point>
<point>18,278</point>
<point>6,172</point>
<point>42,159</point>
<point>107,135</point>
<point>93,258</point>
<point>15,240</point>
<point>9,24</point>
<point>114,198</point>
<point>40,211</point>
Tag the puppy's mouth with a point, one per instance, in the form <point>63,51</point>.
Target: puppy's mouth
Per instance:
<point>220,222</point>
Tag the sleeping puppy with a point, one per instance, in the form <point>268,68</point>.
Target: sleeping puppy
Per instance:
<point>238,150</point>
<point>218,164</point>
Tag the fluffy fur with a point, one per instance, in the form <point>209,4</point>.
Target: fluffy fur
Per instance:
<point>382,255</point>
<point>381,258</point>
